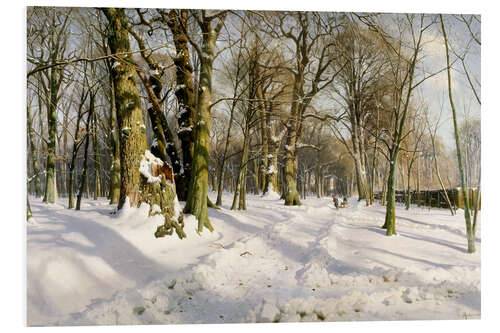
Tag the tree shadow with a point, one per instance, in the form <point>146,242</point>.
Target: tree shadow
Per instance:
<point>107,244</point>
<point>222,215</point>
<point>432,226</point>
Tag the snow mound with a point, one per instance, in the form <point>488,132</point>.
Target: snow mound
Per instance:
<point>32,222</point>
<point>271,194</point>
<point>145,168</point>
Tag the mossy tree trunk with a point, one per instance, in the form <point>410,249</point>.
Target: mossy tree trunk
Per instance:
<point>197,200</point>
<point>291,194</point>
<point>129,114</point>
<point>133,142</point>
<point>51,80</point>
<point>34,159</point>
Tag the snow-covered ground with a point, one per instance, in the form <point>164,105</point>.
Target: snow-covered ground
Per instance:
<point>270,263</point>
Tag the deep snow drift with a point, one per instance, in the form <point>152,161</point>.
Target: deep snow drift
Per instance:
<point>270,263</point>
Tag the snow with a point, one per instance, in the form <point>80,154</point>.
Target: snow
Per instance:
<point>267,264</point>
<point>184,129</point>
<point>145,167</point>
<point>271,194</point>
<point>177,209</point>
<point>206,55</point>
<point>271,170</point>
<point>179,87</point>
<point>155,142</point>
<point>32,222</point>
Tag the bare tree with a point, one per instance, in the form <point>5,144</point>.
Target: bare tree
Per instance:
<point>471,248</point>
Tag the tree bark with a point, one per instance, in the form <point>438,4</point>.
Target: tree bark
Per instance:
<point>471,247</point>
<point>185,95</point>
<point>34,160</point>
<point>83,177</point>
<point>196,202</point>
<point>240,182</point>
<point>135,187</point>
<point>114,181</point>
<point>76,145</point>
<point>50,179</point>
<point>97,160</point>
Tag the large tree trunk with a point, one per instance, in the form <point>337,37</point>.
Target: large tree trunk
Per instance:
<point>271,179</point>
<point>136,186</point>
<point>197,200</point>
<point>128,104</point>
<point>185,96</point>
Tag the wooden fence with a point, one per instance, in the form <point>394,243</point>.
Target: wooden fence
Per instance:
<point>436,198</point>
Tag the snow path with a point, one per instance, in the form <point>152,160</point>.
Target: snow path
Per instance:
<point>269,263</point>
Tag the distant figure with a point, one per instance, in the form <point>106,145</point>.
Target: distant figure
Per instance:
<point>335,202</point>
<point>344,202</point>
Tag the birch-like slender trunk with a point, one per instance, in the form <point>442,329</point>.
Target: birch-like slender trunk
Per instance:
<point>471,248</point>
<point>83,177</point>
<point>34,159</point>
<point>114,178</point>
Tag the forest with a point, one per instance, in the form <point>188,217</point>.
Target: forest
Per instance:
<point>194,114</point>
